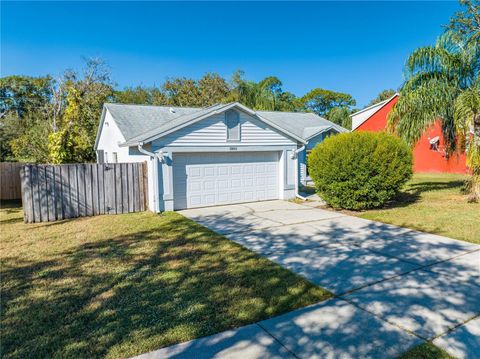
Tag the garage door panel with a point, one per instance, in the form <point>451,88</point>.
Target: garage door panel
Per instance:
<point>222,178</point>
<point>248,196</point>
<point>209,185</point>
<point>271,181</point>
<point>195,186</point>
<point>249,182</point>
<point>222,184</point>
<point>271,168</point>
<point>236,183</point>
<point>194,172</point>
<point>248,169</point>
<point>223,198</point>
<point>236,197</point>
<point>223,170</point>
<point>195,200</point>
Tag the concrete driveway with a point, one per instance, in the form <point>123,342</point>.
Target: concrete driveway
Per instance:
<point>394,287</point>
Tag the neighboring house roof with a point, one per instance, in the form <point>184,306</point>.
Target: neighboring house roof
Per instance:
<point>363,115</point>
<point>140,123</point>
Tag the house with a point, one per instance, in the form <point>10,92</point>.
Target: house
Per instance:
<point>222,154</point>
<point>429,153</point>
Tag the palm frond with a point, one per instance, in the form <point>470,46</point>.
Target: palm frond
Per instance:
<point>420,106</point>
<point>467,105</point>
<point>433,59</point>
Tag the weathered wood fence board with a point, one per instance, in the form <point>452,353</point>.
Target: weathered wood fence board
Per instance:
<point>10,186</point>
<point>55,192</point>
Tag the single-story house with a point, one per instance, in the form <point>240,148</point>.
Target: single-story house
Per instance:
<point>429,153</point>
<point>222,154</point>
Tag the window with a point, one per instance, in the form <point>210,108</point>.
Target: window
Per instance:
<point>100,156</point>
<point>232,121</point>
<point>114,157</point>
<point>106,157</point>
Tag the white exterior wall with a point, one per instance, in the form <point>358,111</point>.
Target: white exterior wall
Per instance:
<point>110,138</point>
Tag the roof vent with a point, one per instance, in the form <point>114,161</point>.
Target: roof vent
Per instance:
<point>171,109</point>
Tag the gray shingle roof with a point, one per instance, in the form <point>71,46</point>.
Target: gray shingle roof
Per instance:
<point>303,124</point>
<point>136,119</point>
<point>138,123</point>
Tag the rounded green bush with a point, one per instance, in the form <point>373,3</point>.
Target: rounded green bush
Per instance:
<point>360,170</point>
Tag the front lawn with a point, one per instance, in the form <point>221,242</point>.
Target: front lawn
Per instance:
<point>433,203</point>
<point>116,286</point>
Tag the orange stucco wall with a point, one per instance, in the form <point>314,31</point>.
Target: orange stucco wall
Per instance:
<point>424,158</point>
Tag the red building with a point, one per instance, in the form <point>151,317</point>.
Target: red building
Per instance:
<point>429,153</point>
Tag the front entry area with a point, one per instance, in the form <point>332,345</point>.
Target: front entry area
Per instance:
<point>210,179</point>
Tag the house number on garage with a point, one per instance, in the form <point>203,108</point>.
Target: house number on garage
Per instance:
<point>233,148</point>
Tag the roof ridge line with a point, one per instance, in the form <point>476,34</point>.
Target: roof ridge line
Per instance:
<point>381,103</point>
<point>156,106</point>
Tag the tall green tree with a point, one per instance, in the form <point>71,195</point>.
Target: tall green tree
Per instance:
<point>23,94</point>
<point>340,116</point>
<point>82,95</point>
<point>442,82</point>
<point>321,101</point>
<point>382,96</point>
<point>213,89</point>
<point>181,91</point>
<point>266,95</point>
<point>24,117</point>
<point>466,22</point>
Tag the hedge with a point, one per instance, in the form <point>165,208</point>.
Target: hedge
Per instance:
<point>360,170</point>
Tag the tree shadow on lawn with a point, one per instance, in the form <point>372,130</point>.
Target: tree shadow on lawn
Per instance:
<point>413,192</point>
<point>11,206</point>
<point>367,256</point>
<point>134,293</point>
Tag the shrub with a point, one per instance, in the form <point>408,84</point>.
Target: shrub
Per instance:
<point>360,170</point>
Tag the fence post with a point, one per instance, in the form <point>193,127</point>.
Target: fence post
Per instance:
<point>145,185</point>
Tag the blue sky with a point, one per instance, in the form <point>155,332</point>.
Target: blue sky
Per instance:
<point>354,47</point>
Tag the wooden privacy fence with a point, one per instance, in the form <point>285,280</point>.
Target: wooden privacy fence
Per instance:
<point>55,192</point>
<point>10,180</point>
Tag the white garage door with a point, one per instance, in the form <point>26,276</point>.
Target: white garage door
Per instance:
<point>210,179</point>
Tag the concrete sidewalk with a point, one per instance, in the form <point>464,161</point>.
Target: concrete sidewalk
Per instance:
<point>395,287</point>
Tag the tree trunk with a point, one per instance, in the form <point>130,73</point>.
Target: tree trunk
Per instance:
<point>475,181</point>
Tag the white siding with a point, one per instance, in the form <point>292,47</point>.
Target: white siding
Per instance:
<point>212,131</point>
<point>110,138</point>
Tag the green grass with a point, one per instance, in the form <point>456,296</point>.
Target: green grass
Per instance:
<point>117,286</point>
<point>426,351</point>
<point>433,203</point>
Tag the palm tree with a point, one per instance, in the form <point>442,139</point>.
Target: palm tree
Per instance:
<point>442,82</point>
<point>266,95</point>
